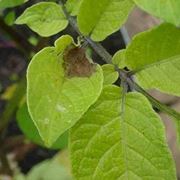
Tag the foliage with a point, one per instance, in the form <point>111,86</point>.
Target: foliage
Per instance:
<point>114,133</point>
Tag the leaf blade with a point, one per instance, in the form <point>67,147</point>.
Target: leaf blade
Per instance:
<point>154,63</point>
<point>167,10</point>
<point>45,18</point>
<point>56,101</point>
<point>101,150</point>
<point>104,19</point>
<point>10,3</point>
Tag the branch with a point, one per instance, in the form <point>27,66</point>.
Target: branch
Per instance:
<point>123,75</point>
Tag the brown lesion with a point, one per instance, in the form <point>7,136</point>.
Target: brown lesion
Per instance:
<point>76,63</point>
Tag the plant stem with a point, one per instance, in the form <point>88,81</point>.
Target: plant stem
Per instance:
<point>123,75</point>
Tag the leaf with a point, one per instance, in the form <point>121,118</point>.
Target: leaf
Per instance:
<point>48,170</point>
<point>62,85</point>
<point>166,9</point>
<point>45,18</point>
<point>11,3</point>
<point>155,57</point>
<point>10,18</point>
<point>73,6</point>
<point>101,18</point>
<point>119,59</point>
<point>106,144</point>
<point>29,129</point>
<point>110,75</point>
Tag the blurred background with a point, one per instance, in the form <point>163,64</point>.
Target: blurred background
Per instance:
<point>19,154</point>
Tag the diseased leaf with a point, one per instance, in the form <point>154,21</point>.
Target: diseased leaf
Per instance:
<point>166,9</point>
<point>62,85</point>
<point>45,18</point>
<point>73,6</point>
<point>108,144</point>
<point>11,3</point>
<point>110,75</point>
<point>155,57</point>
<point>27,126</point>
<point>101,18</point>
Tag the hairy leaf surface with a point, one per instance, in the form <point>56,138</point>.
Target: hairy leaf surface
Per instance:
<point>155,57</point>
<point>166,9</point>
<point>59,92</point>
<point>103,17</point>
<point>108,144</point>
<point>45,18</point>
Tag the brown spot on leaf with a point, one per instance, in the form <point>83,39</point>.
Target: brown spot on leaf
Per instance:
<point>76,63</point>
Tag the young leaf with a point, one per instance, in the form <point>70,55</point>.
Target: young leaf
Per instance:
<point>110,75</point>
<point>119,59</point>
<point>45,18</point>
<point>109,144</point>
<point>166,9</point>
<point>101,18</point>
<point>11,3</point>
<point>27,126</point>
<point>155,57</point>
<point>62,85</point>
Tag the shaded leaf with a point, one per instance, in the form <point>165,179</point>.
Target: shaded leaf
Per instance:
<point>27,126</point>
<point>49,170</point>
<point>11,3</point>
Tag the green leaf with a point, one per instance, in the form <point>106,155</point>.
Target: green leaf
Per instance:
<point>155,57</point>
<point>9,18</point>
<point>73,6</point>
<point>45,18</point>
<point>109,144</point>
<point>119,59</point>
<point>11,3</point>
<point>110,75</point>
<point>166,9</point>
<point>62,85</point>
<point>27,126</point>
<point>49,170</point>
<point>101,18</point>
